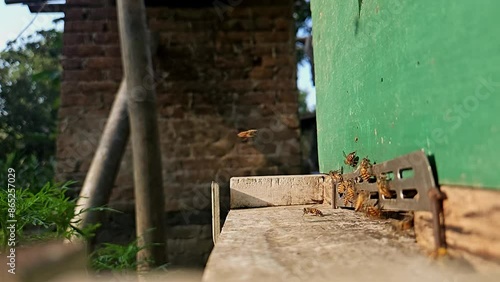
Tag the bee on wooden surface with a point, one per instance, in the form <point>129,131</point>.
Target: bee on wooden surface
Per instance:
<point>245,135</point>
<point>313,211</point>
<point>351,159</point>
<point>365,170</point>
<point>360,204</point>
<point>374,212</point>
<point>336,175</point>
<point>383,186</point>
<point>350,193</point>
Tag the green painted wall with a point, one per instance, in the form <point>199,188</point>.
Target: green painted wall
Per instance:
<point>403,75</point>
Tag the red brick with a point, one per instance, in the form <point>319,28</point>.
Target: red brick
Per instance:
<point>86,26</point>
<point>285,73</point>
<point>228,61</point>
<point>273,49</point>
<point>112,51</point>
<point>77,38</point>
<point>276,85</point>
<point>271,37</point>
<point>99,86</point>
<point>261,73</point>
<point>108,38</point>
<point>69,87</point>
<point>234,36</point>
<point>103,13</point>
<point>72,64</point>
<point>263,23</point>
<point>238,25</point>
<point>271,61</point>
<point>73,100</point>
<point>82,51</point>
<point>103,63</point>
<point>81,75</point>
<point>256,98</point>
<point>283,24</point>
<point>287,96</point>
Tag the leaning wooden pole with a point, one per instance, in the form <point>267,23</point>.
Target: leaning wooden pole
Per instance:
<point>148,184</point>
<point>102,173</point>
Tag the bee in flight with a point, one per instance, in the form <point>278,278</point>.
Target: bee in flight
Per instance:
<point>383,186</point>
<point>245,135</point>
<point>351,159</point>
<point>313,211</point>
<point>365,170</point>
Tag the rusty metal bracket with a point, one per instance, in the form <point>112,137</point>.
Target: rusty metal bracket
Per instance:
<point>412,187</point>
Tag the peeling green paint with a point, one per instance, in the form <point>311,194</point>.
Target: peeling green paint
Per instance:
<point>403,75</point>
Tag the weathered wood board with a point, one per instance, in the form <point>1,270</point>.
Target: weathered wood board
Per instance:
<point>472,220</point>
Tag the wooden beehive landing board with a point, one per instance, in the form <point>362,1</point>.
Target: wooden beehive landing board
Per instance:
<point>280,244</point>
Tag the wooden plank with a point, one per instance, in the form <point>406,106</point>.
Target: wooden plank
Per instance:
<point>280,244</point>
<point>44,262</point>
<point>148,183</point>
<point>472,220</point>
<point>281,190</point>
<point>215,211</point>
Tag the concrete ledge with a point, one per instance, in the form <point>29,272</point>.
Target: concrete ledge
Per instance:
<point>280,190</point>
<point>280,244</point>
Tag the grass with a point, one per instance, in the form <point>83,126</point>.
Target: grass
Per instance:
<point>45,213</point>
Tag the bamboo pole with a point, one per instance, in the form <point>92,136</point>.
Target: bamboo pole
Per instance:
<point>102,173</point>
<point>148,185</point>
<point>215,211</point>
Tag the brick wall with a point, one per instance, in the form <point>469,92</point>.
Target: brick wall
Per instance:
<point>217,71</point>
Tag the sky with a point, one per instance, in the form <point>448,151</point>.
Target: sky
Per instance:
<point>14,18</point>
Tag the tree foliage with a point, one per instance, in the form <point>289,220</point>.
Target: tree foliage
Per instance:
<point>29,94</point>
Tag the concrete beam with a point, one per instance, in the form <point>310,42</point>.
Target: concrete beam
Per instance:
<point>280,190</point>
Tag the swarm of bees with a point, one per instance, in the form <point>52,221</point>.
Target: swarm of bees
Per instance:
<point>313,211</point>
<point>245,135</point>
<point>360,200</point>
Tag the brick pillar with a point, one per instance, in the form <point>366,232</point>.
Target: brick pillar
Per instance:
<point>216,72</point>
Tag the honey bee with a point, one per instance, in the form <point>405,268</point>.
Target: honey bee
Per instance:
<point>363,196</point>
<point>342,186</point>
<point>245,135</point>
<point>373,212</point>
<point>350,193</point>
<point>365,170</point>
<point>336,175</point>
<point>383,186</point>
<point>313,211</point>
<point>351,159</point>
